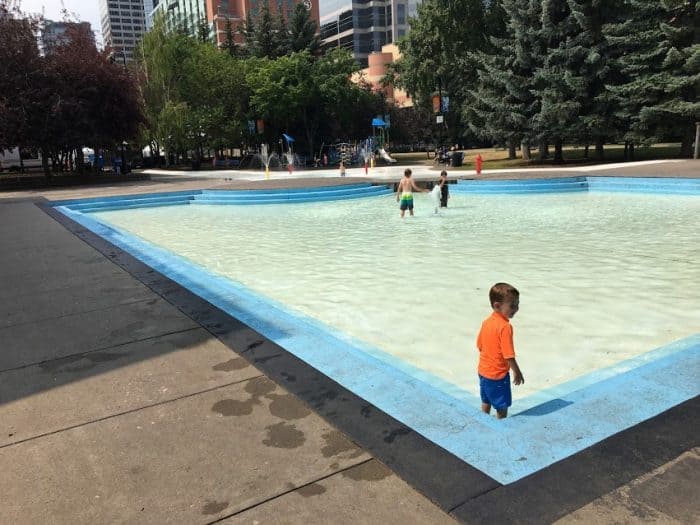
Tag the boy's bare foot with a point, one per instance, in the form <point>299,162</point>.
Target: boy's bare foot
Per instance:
<point>501,414</point>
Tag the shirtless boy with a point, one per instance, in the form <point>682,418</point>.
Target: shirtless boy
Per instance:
<point>404,193</point>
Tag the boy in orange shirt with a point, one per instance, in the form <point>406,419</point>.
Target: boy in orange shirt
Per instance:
<point>496,352</point>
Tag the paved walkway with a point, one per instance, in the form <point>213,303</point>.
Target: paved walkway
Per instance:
<point>115,406</point>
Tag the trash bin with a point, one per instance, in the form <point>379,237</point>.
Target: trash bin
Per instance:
<point>456,159</point>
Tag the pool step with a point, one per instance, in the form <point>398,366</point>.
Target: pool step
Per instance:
<point>239,197</point>
<point>645,185</point>
<point>267,197</point>
<point>159,200</point>
<point>566,184</point>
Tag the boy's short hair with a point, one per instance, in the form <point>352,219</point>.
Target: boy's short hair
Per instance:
<point>499,292</point>
<point>407,172</point>
<point>443,173</point>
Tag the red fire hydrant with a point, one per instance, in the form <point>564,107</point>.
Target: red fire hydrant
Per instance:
<point>479,163</point>
<point>290,167</point>
<point>365,166</point>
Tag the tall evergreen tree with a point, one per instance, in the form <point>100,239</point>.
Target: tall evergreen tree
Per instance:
<point>280,35</point>
<point>658,52</point>
<point>203,30</point>
<point>247,29</point>
<point>265,44</point>
<point>229,39</point>
<point>503,105</point>
<point>561,95</point>
<point>303,30</point>
<point>591,67</point>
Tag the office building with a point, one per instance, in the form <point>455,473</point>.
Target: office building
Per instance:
<point>188,14</point>
<point>52,34</point>
<point>123,26</point>
<point>364,27</point>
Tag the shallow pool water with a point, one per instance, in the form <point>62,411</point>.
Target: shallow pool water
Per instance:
<point>602,277</point>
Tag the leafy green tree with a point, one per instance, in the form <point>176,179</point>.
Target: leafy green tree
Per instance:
<point>438,53</point>
<point>162,56</point>
<point>303,31</point>
<point>215,93</point>
<point>300,94</point>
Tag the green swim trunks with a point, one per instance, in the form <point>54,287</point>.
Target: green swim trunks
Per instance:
<point>406,200</point>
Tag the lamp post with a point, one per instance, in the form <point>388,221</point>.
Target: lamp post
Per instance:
<point>124,168</point>
<point>697,141</point>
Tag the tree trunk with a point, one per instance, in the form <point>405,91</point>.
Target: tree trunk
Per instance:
<point>80,160</point>
<point>631,150</point>
<point>511,150</point>
<point>687,144</point>
<point>525,148</point>
<point>543,150</point>
<point>585,152</point>
<point>558,154</point>
<point>599,151</point>
<point>45,163</point>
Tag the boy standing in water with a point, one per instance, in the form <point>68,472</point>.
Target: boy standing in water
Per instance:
<point>496,352</point>
<point>404,192</point>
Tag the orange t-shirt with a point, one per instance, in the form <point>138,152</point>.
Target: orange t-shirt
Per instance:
<point>495,344</point>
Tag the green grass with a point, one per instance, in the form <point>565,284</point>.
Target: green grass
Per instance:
<point>573,156</point>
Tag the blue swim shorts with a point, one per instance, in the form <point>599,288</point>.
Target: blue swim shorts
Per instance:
<point>496,392</point>
<point>406,204</point>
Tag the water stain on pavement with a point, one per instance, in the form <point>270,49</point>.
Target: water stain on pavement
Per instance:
<point>260,386</point>
<point>233,407</point>
<point>214,507</point>
<point>370,471</point>
<point>314,489</point>
<point>337,444</point>
<point>391,436</point>
<point>289,377</point>
<point>235,363</point>
<point>287,407</point>
<point>282,435</point>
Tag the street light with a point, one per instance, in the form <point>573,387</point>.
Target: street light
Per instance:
<point>124,168</point>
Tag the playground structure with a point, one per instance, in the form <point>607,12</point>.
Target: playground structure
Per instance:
<point>358,152</point>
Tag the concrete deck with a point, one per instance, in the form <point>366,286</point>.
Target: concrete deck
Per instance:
<point>119,404</point>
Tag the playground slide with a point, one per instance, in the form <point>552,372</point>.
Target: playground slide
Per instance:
<point>383,154</point>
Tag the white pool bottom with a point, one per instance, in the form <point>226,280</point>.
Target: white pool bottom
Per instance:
<point>603,278</point>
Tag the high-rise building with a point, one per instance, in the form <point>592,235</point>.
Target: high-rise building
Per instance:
<point>364,27</point>
<point>187,15</point>
<point>52,34</point>
<point>123,25</point>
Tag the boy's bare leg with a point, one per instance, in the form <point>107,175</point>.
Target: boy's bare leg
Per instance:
<point>411,212</point>
<point>501,414</point>
<point>485,408</point>
<point>402,212</point>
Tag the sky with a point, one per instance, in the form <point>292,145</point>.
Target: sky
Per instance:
<point>83,10</point>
